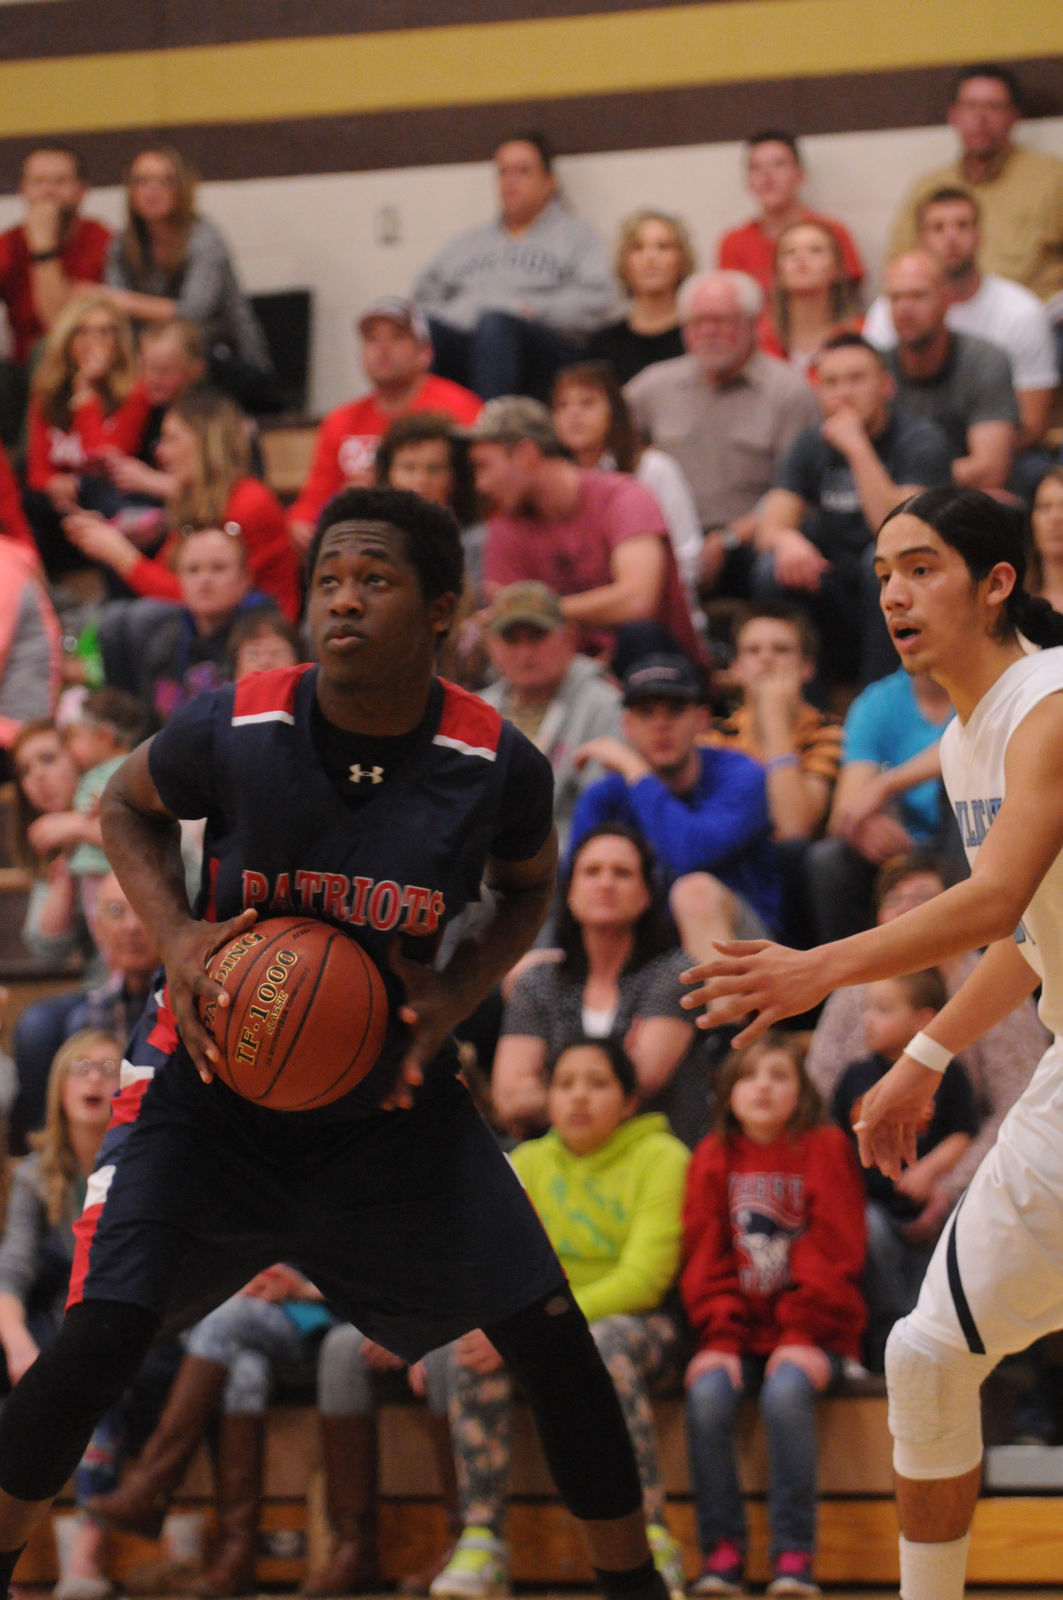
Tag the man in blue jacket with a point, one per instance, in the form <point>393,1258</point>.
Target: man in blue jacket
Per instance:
<point>703,809</point>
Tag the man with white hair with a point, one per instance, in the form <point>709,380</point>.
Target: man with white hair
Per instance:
<point>726,412</point>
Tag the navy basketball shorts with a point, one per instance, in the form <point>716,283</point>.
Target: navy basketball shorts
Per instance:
<point>412,1224</point>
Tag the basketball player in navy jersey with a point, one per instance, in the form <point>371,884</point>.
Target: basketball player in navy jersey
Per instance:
<point>951,567</point>
<point>368,793</point>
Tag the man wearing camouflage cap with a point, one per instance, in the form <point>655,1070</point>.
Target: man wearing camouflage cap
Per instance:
<point>598,539</point>
<point>556,697</point>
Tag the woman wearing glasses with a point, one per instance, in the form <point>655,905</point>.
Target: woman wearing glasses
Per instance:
<point>37,1251</point>
<point>168,261</point>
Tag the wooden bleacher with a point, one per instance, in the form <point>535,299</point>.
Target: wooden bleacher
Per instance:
<point>1017,1539</point>
<point>287,447</point>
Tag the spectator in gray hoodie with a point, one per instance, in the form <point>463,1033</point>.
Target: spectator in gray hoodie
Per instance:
<point>512,301</point>
<point>557,698</point>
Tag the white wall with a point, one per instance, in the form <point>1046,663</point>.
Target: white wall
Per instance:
<point>323,232</point>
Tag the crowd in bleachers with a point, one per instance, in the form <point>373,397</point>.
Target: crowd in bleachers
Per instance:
<point>668,482</point>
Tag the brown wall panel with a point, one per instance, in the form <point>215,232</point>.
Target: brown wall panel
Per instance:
<point>840,104</point>
<point>85,27</point>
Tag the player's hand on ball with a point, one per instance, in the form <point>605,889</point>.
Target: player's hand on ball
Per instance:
<point>893,1113</point>
<point>186,957</point>
<point>752,977</point>
<point>429,1012</point>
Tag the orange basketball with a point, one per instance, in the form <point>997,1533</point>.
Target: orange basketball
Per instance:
<point>307,1013</point>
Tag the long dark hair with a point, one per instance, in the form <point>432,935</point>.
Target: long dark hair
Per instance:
<point>653,933</point>
<point>1035,567</point>
<point>983,531</point>
<point>136,240</point>
<point>622,441</point>
<point>620,1063</point>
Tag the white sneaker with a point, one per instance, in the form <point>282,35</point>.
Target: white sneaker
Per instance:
<point>478,1568</point>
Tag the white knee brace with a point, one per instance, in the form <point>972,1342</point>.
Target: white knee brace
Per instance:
<point>934,1412</point>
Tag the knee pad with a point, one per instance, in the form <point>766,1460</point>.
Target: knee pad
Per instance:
<point>934,1410</point>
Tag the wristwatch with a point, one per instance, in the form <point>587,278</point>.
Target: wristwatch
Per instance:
<point>37,256</point>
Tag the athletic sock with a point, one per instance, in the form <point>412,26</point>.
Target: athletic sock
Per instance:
<point>933,1571</point>
<point>633,1583</point>
<point>8,1563</point>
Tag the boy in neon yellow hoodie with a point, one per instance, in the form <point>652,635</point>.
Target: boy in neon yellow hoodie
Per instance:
<point>608,1186</point>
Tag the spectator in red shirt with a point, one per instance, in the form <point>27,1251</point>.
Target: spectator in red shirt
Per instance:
<point>84,400</point>
<point>598,539</point>
<point>205,451</point>
<point>396,356</point>
<point>774,1246</point>
<point>45,258</point>
<point>775,175</point>
<point>13,524</point>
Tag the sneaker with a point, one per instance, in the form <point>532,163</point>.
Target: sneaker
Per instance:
<point>477,1569</point>
<point>793,1574</point>
<point>723,1569</point>
<point>668,1559</point>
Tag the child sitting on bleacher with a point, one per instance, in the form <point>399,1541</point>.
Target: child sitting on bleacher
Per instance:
<point>608,1187</point>
<point>774,1248</point>
<point>904,1217</point>
<point>99,730</point>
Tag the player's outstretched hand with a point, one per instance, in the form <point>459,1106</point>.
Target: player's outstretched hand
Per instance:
<point>186,957</point>
<point>428,1011</point>
<point>757,979</point>
<point>893,1113</point>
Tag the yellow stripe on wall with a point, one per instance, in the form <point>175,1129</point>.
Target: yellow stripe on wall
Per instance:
<point>657,48</point>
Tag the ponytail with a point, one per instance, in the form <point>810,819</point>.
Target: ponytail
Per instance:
<point>1034,618</point>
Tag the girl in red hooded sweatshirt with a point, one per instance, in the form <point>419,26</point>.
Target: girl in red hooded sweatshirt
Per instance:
<point>774,1249</point>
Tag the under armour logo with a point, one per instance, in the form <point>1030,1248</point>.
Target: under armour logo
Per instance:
<point>374,774</point>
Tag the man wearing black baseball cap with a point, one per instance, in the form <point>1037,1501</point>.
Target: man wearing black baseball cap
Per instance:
<point>703,808</point>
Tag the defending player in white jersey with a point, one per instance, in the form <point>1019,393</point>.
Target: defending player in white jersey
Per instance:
<point>951,566</point>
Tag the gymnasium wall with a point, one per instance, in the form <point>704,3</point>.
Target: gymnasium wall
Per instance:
<point>345,140</point>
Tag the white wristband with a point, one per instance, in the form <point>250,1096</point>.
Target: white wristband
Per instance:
<point>928,1052</point>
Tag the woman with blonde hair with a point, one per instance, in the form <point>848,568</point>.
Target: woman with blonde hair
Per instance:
<point>205,450</point>
<point>653,256</point>
<point>812,297</point>
<point>84,403</point>
<point>169,261</point>
<point>37,1247</point>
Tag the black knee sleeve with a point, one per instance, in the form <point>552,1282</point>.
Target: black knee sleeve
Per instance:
<point>48,1419</point>
<point>549,1350</point>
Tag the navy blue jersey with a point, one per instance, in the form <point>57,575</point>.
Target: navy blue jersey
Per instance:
<point>282,836</point>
